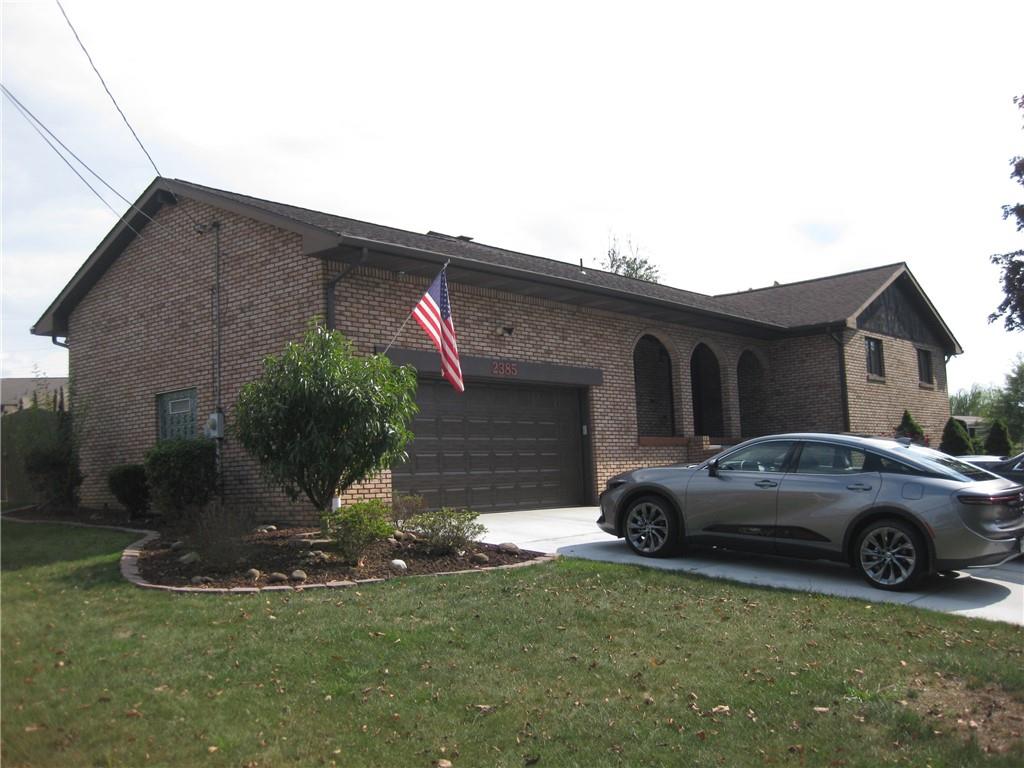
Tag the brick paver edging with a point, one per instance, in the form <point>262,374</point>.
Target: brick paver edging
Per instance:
<point>130,566</point>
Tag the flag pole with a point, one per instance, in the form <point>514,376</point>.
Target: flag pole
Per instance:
<point>402,326</point>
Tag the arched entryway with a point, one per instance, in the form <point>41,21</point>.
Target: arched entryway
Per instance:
<point>753,392</point>
<point>652,375</point>
<point>706,383</point>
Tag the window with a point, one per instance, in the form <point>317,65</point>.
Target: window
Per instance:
<point>825,459</point>
<point>176,414</point>
<point>924,366</point>
<point>763,457</point>
<point>876,361</point>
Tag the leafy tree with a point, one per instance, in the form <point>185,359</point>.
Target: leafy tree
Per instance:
<point>997,443</point>
<point>976,401</point>
<point>629,264</point>
<point>320,418</point>
<point>908,427</point>
<point>1009,405</point>
<point>1011,309</point>
<point>955,440</point>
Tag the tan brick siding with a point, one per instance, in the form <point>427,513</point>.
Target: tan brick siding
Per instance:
<point>876,407</point>
<point>146,328</point>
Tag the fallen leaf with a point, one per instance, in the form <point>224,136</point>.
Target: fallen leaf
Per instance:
<point>133,713</point>
<point>34,727</point>
<point>721,709</point>
<point>821,710</point>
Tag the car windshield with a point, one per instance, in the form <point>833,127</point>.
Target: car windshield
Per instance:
<point>948,465</point>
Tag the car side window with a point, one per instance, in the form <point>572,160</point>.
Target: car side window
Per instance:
<point>764,457</point>
<point>827,459</point>
<point>889,466</point>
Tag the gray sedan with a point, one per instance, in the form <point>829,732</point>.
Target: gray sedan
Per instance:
<point>894,511</point>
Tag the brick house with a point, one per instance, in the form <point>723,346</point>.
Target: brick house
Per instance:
<point>573,374</point>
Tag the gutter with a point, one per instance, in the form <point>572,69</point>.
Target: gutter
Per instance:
<point>836,335</point>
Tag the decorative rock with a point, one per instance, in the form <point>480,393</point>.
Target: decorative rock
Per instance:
<point>177,545</point>
<point>410,536</point>
<point>202,580</point>
<point>393,542</point>
<point>297,541</point>
<point>299,575</point>
<point>277,578</point>
<point>399,535</point>
<point>265,528</point>
<point>253,573</point>
<point>398,565</point>
<point>509,548</point>
<point>479,557</point>
<point>189,558</point>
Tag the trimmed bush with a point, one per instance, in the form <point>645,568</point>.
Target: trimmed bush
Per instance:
<point>908,427</point>
<point>955,440</point>
<point>182,475</point>
<point>997,443</point>
<point>128,484</point>
<point>53,472</point>
<point>446,529</point>
<point>357,526</point>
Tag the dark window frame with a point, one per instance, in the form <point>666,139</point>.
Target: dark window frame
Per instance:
<point>875,355</point>
<point>925,366</point>
<point>168,405</point>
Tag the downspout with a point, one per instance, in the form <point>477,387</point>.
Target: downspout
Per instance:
<point>844,395</point>
<point>65,344</point>
<point>332,284</point>
<point>218,427</point>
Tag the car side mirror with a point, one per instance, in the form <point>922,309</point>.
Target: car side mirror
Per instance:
<point>713,468</point>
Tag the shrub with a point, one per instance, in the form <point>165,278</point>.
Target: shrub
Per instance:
<point>955,440</point>
<point>182,475</point>
<point>357,526</point>
<point>128,484</point>
<point>446,529</point>
<point>320,417</point>
<point>405,507</point>
<point>53,472</point>
<point>908,427</point>
<point>997,443</point>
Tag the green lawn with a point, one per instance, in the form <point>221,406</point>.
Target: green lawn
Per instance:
<point>565,664</point>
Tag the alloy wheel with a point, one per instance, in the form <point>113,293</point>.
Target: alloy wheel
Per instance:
<point>647,528</point>
<point>888,556</point>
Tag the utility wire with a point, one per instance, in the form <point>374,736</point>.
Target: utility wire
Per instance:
<point>26,111</point>
<point>104,82</point>
<point>117,106</point>
<point>68,162</point>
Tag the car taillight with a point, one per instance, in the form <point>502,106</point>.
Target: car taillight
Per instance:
<point>1011,499</point>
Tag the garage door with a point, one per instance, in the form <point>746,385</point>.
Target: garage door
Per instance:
<point>494,447</point>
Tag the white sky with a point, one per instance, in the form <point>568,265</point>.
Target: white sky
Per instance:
<point>738,143</point>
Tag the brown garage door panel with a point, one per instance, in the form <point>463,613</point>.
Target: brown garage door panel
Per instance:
<point>496,446</point>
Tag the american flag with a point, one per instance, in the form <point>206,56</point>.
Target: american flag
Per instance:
<point>434,314</point>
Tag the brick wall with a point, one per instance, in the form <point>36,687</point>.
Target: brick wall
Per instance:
<point>146,328</point>
<point>877,405</point>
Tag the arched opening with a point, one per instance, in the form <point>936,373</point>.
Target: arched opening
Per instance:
<point>706,383</point>
<point>753,392</point>
<point>652,374</point>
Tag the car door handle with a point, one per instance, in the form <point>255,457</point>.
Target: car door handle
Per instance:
<point>766,484</point>
<point>859,487</point>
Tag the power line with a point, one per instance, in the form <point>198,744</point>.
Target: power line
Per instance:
<point>117,106</point>
<point>27,113</point>
<point>104,82</point>
<point>68,163</point>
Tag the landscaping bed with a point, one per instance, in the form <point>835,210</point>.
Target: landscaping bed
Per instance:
<point>300,553</point>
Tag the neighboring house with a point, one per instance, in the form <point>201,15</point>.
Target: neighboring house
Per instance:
<point>572,374</point>
<point>977,426</point>
<point>16,394</point>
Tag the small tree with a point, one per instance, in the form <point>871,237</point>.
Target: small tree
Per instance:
<point>320,417</point>
<point>128,484</point>
<point>630,264</point>
<point>955,440</point>
<point>997,443</point>
<point>1011,265</point>
<point>908,427</point>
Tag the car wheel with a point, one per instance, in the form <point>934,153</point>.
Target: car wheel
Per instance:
<point>651,527</point>
<point>890,555</point>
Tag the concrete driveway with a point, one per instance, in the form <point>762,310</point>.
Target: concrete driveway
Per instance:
<point>996,594</point>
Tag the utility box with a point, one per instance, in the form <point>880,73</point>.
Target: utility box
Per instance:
<point>214,426</point>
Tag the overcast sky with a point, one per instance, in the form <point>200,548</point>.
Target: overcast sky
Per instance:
<point>737,143</point>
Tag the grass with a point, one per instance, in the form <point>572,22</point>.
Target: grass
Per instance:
<point>566,664</point>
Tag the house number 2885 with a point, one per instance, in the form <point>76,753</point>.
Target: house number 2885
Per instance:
<point>499,368</point>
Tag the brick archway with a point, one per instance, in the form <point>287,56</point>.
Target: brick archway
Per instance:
<point>706,386</point>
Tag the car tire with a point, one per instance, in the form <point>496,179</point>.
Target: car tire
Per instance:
<point>890,555</point>
<point>651,527</point>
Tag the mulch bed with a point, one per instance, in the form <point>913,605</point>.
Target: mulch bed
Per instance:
<point>280,551</point>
